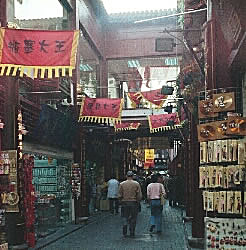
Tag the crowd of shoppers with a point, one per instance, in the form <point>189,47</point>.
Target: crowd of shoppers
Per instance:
<point>128,195</point>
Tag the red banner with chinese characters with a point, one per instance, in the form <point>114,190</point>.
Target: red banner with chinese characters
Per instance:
<point>101,110</point>
<point>163,122</point>
<point>126,126</point>
<point>37,52</point>
<point>154,97</point>
<point>135,98</point>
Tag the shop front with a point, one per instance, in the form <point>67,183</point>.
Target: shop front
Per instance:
<point>51,179</point>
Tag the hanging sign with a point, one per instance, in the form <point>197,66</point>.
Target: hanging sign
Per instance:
<point>149,155</point>
<point>126,126</point>
<point>154,97</point>
<point>135,98</point>
<point>163,122</point>
<point>101,110</point>
<point>32,50</point>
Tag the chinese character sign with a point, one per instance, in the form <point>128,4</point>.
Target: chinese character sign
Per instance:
<point>163,122</point>
<point>149,155</point>
<point>34,50</point>
<point>101,110</point>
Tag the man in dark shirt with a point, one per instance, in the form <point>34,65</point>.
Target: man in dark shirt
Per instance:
<point>129,195</point>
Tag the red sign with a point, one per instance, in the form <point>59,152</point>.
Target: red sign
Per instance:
<point>126,126</point>
<point>37,50</point>
<point>101,110</point>
<point>135,98</point>
<point>163,122</point>
<point>154,96</point>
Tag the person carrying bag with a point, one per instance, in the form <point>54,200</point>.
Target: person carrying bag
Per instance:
<point>155,192</point>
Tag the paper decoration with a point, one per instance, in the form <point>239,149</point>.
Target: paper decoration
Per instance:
<point>224,102</point>
<point>37,50</point>
<point>101,110</point>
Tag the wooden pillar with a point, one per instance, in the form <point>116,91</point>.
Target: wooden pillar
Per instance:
<point>103,78</point>
<point>3,13</point>
<point>188,177</point>
<point>108,168</point>
<point>197,203</point>
<point>83,204</point>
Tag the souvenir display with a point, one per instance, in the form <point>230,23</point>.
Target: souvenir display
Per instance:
<point>236,126</point>
<point>216,201</point>
<point>205,200</point>
<point>210,206</point>
<point>237,176</point>
<point>244,205</point>
<point>224,102</point>
<point>213,176</point>
<point>221,129</point>
<point>220,176</point>
<point>217,151</point>
<point>225,177</point>
<point>224,150</point>
<point>225,233</point>
<point>203,152</point>
<point>222,202</point>
<point>230,195</point>
<point>238,203</point>
<point>76,177</point>
<point>210,151</point>
<point>230,150</point>
<point>241,152</point>
<point>202,172</point>
<point>206,132</point>
<point>234,150</point>
<point>205,109</point>
<point>231,171</point>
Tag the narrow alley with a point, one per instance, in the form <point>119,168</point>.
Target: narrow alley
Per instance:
<point>105,232</point>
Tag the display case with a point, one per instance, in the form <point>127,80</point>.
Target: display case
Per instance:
<point>51,178</point>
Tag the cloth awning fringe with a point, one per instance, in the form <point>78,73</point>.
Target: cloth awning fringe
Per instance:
<point>36,71</point>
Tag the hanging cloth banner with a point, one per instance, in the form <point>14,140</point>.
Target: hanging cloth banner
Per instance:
<point>126,126</point>
<point>154,97</point>
<point>37,53</point>
<point>135,98</point>
<point>163,122</point>
<point>101,110</point>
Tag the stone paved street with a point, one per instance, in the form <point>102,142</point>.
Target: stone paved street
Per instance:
<point>105,233</point>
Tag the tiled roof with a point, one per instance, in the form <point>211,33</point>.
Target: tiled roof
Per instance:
<point>129,17</point>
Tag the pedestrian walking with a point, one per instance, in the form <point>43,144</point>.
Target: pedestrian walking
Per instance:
<point>112,195</point>
<point>129,194</point>
<point>154,192</point>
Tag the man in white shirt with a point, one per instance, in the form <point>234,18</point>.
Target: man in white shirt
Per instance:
<point>113,189</point>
